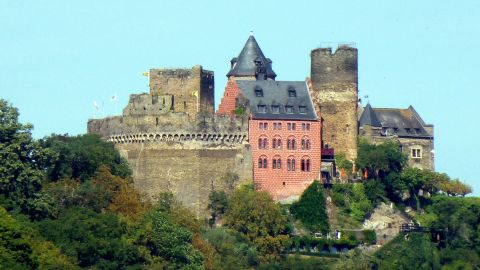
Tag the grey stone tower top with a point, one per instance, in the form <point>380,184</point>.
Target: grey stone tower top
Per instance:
<point>252,62</point>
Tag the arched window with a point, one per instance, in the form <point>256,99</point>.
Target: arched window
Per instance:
<point>291,164</point>
<point>276,162</point>
<point>262,143</point>
<point>305,164</point>
<point>305,143</point>
<point>262,162</point>
<point>291,143</point>
<point>277,143</point>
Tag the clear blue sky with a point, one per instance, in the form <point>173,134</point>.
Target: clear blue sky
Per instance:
<point>57,57</point>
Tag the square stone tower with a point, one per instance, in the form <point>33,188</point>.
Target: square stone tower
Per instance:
<point>191,90</point>
<point>334,78</point>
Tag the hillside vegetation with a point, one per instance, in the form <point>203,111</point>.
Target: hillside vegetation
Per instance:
<point>67,202</point>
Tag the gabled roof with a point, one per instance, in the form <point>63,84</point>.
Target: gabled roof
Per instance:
<point>400,122</point>
<point>249,59</point>
<point>369,117</point>
<point>276,93</point>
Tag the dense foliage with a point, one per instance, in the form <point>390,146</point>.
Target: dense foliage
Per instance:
<point>353,202</point>
<point>22,163</point>
<point>310,209</point>
<point>80,157</point>
<point>21,247</point>
<point>259,219</point>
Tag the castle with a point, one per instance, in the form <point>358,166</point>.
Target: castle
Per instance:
<point>281,134</point>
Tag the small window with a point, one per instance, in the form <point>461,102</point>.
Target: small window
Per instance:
<point>302,109</point>
<point>308,126</point>
<point>305,165</point>
<point>305,144</point>
<point>292,92</point>
<point>279,126</point>
<point>289,109</point>
<point>293,126</point>
<point>289,126</point>
<point>275,109</point>
<point>262,108</point>
<point>258,92</point>
<point>416,153</point>
<point>291,164</point>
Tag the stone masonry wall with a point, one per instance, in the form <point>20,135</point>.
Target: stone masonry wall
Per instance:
<point>171,150</point>
<point>426,145</point>
<point>334,79</point>
<point>188,169</point>
<point>192,89</point>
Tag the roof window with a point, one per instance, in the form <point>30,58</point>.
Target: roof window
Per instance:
<point>258,91</point>
<point>262,108</point>
<point>292,92</point>
<point>275,109</point>
<point>302,109</point>
<point>289,109</point>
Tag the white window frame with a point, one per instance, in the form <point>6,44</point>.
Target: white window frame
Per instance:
<point>414,153</point>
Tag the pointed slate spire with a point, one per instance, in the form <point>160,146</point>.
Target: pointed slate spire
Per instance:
<point>369,117</point>
<point>251,62</point>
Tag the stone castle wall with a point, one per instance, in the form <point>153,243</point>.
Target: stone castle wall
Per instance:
<point>174,143</point>
<point>187,157</point>
<point>334,79</point>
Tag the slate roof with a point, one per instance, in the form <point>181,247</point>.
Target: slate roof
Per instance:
<point>369,117</point>
<point>248,59</point>
<point>276,93</point>
<point>400,122</point>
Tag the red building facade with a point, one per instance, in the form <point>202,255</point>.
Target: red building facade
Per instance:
<point>284,128</point>
<point>286,155</point>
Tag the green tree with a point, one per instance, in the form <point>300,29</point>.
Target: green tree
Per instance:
<point>22,163</point>
<point>414,252</point>
<point>165,241</point>
<point>310,209</point>
<point>381,159</point>
<point>81,156</point>
<point>94,239</point>
<point>259,219</point>
<point>375,191</point>
<point>218,203</point>
<point>22,248</point>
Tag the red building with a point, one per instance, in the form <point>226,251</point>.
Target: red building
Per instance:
<point>284,128</point>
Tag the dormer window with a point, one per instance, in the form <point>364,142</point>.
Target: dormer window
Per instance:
<point>292,92</point>
<point>289,109</point>
<point>302,109</point>
<point>262,108</point>
<point>258,92</point>
<point>275,109</point>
